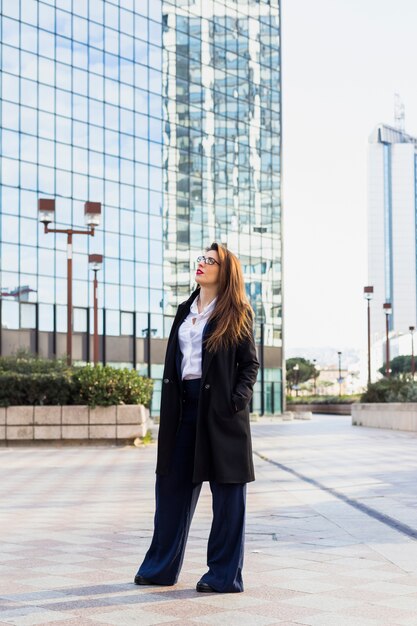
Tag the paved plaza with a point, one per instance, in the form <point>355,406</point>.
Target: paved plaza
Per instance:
<point>331,534</point>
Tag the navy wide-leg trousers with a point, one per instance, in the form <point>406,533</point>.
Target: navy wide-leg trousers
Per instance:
<point>176,498</point>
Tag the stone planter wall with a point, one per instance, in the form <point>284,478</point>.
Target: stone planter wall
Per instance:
<point>112,424</point>
<point>393,415</point>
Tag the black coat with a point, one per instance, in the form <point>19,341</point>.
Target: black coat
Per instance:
<point>223,450</point>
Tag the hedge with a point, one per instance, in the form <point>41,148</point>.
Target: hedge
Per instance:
<point>105,385</point>
<point>391,390</point>
<point>32,381</point>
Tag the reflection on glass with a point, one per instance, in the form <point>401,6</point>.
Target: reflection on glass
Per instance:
<point>112,322</point>
<point>126,320</point>
<point>79,320</point>
<point>221,148</point>
<point>9,314</point>
<point>28,316</point>
<point>46,317</point>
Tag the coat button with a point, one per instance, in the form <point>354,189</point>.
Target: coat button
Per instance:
<point>166,380</point>
<point>207,386</point>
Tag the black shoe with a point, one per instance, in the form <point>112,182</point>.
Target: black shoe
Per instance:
<point>204,587</point>
<point>140,580</point>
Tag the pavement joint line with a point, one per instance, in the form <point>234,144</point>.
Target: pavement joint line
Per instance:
<point>377,515</point>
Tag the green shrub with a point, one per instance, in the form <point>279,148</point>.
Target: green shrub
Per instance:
<point>105,386</point>
<point>391,390</point>
<point>39,388</point>
<point>26,380</point>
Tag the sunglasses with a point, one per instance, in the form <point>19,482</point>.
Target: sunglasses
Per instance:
<point>208,260</point>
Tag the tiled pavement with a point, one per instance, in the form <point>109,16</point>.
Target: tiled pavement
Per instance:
<point>329,539</point>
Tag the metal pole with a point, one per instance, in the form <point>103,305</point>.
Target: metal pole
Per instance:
<point>134,354</point>
<point>103,341</point>
<point>1,326</point>
<point>54,342</point>
<point>88,337</point>
<point>369,342</point>
<point>340,373</point>
<point>69,299</point>
<point>148,346</point>
<point>314,378</point>
<point>368,292</point>
<point>37,328</point>
<point>387,345</point>
<point>96,348</point>
<point>413,364</point>
<point>262,370</point>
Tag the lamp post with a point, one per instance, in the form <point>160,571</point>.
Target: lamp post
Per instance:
<point>95,261</point>
<point>368,293</point>
<point>413,364</point>
<point>340,379</point>
<point>387,310</point>
<point>92,212</point>
<point>314,377</point>
<point>296,369</point>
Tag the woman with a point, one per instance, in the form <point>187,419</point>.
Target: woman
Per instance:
<point>204,433</point>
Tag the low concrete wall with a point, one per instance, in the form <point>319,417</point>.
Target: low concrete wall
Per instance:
<point>111,424</point>
<point>333,409</point>
<point>393,415</point>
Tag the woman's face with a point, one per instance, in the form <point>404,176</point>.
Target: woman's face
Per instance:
<point>207,274</point>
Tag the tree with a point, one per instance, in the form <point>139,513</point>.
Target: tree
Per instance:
<point>306,371</point>
<point>399,365</point>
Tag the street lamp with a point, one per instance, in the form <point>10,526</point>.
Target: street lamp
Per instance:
<point>340,379</point>
<point>314,377</point>
<point>92,212</point>
<point>296,369</point>
<point>387,310</point>
<point>95,261</point>
<point>368,293</point>
<point>413,365</point>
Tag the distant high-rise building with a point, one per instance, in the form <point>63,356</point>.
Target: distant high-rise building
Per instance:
<point>392,259</point>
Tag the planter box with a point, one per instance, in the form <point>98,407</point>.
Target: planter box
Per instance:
<point>47,416</point>
<point>19,415</point>
<point>103,415</point>
<point>75,415</point>
<point>392,415</point>
<point>113,424</point>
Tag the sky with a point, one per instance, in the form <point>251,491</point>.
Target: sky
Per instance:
<point>342,63</point>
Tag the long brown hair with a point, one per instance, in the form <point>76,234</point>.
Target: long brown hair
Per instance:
<point>233,314</point>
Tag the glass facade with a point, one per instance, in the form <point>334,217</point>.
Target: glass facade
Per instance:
<point>222,142</point>
<point>168,113</point>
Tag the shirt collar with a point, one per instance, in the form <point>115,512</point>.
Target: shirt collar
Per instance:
<point>209,307</point>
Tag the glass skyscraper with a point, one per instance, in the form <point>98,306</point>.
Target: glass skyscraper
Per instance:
<point>168,113</point>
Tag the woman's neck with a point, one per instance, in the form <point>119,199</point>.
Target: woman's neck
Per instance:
<point>206,295</point>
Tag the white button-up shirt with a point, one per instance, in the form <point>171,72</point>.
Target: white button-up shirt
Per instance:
<point>190,336</point>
